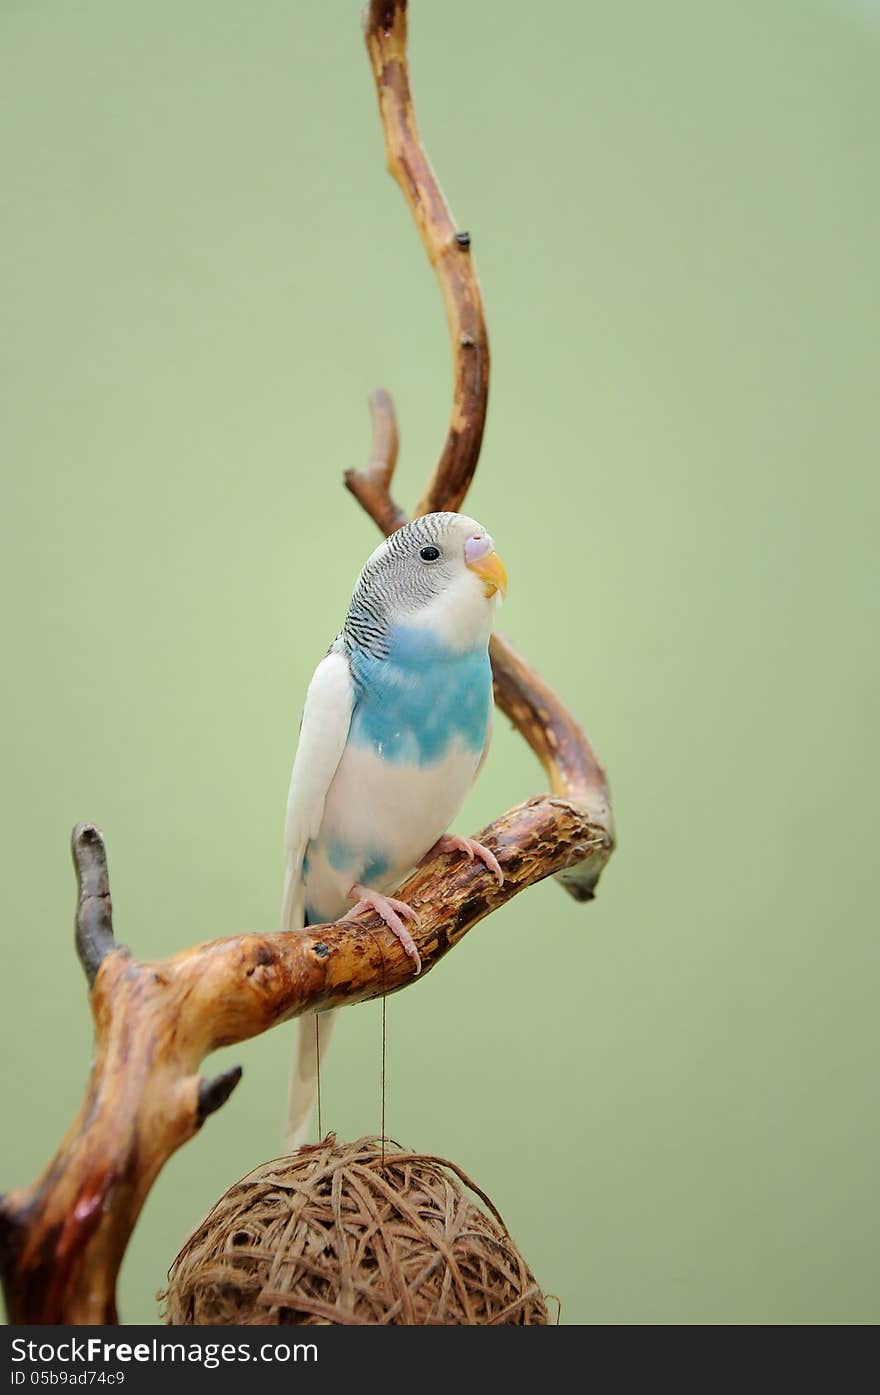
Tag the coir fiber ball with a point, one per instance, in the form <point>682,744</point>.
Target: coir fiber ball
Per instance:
<point>354,1234</point>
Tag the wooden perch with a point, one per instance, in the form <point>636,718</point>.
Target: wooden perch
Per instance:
<point>62,1239</point>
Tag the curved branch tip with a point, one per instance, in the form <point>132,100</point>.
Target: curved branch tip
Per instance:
<point>382,15</point>
<point>94,909</point>
<point>89,856</point>
<point>214,1093</point>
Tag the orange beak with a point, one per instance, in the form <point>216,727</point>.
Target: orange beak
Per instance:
<point>489,567</point>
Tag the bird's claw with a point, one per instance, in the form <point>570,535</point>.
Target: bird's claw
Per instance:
<point>451,842</point>
<point>393,913</point>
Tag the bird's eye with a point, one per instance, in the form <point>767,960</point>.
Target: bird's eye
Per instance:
<point>429,554</point>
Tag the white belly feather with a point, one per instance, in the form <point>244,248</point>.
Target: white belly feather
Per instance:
<point>379,819</point>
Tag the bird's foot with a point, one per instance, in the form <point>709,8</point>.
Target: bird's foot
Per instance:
<point>450,842</point>
<point>393,913</point>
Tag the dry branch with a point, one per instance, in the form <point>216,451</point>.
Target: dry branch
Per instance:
<point>449,251</point>
<point>63,1238</point>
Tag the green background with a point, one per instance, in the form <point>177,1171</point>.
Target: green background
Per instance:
<point>670,1093</point>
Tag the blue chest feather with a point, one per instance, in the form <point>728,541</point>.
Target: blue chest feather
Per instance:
<point>410,706</point>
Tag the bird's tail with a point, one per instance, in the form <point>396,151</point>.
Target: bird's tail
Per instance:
<point>312,1034</point>
<point>312,1039</point>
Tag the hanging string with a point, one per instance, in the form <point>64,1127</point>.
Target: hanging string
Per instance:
<point>383,1069</point>
<point>318,1070</point>
<point>384,1061</point>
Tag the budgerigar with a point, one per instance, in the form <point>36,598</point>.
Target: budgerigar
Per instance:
<point>395,728</point>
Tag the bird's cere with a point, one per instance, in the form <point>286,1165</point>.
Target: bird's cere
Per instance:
<point>481,557</point>
<point>476,547</point>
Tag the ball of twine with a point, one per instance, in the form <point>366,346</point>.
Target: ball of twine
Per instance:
<point>353,1233</point>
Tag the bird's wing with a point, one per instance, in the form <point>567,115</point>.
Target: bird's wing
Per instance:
<point>485,750</point>
<point>323,734</point>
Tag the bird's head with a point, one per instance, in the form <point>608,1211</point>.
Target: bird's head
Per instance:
<point>441,573</point>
